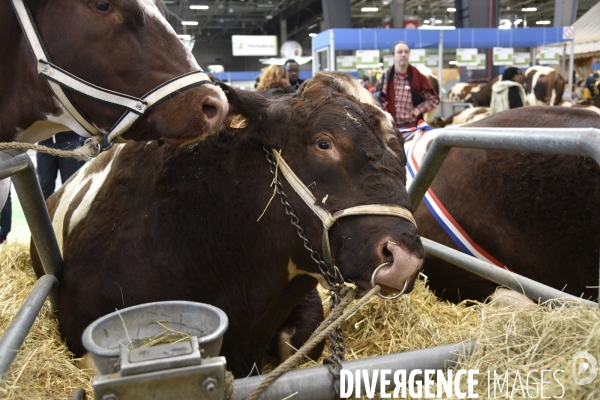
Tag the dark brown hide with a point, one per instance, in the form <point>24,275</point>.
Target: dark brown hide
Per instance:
<point>173,223</point>
<point>545,84</point>
<point>124,49</point>
<point>483,98</point>
<point>537,214</point>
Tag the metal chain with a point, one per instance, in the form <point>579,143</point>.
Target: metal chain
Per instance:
<point>337,343</point>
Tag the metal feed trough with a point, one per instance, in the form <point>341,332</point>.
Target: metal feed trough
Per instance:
<point>143,371</point>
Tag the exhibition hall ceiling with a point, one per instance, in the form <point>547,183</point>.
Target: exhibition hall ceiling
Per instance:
<point>219,19</point>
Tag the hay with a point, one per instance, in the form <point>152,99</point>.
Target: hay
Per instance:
<point>44,368</point>
<point>517,340</point>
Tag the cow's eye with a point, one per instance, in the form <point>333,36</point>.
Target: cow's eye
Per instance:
<point>324,145</point>
<point>101,6</point>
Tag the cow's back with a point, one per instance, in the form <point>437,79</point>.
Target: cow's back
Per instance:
<point>537,214</point>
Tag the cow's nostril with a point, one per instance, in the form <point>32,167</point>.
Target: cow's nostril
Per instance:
<point>387,254</point>
<point>209,111</point>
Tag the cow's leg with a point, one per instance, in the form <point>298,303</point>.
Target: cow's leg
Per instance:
<point>298,327</point>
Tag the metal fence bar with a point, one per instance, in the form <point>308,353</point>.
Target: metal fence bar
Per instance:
<point>34,207</point>
<point>13,338</point>
<point>316,383</point>
<point>518,283</point>
<point>576,142</point>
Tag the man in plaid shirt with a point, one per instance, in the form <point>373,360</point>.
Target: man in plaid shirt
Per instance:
<point>404,91</point>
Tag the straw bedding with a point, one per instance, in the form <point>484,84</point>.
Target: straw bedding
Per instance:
<point>517,340</point>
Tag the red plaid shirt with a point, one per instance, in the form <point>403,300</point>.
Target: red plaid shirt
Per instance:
<point>404,104</point>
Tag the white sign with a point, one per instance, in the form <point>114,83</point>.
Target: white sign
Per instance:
<point>503,55</point>
<point>345,63</point>
<point>480,63</point>
<point>388,61</point>
<point>521,59</point>
<point>568,32</point>
<point>466,57</point>
<point>417,56</point>
<point>254,45</point>
<point>550,54</point>
<point>432,60</point>
<point>367,58</point>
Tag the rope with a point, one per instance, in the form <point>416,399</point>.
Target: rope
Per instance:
<point>86,152</point>
<point>229,388</point>
<point>326,327</point>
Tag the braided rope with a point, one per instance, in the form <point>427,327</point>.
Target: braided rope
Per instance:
<point>324,330</point>
<point>85,152</point>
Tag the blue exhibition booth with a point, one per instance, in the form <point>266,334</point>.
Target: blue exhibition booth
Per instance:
<point>327,43</point>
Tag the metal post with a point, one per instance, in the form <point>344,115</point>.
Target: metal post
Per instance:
<point>521,284</point>
<point>441,62</point>
<point>18,329</point>
<point>564,60</point>
<point>332,63</point>
<point>31,199</point>
<point>575,142</point>
<point>571,65</point>
<point>316,383</point>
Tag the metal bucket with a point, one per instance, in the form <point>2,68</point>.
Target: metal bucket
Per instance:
<point>105,337</point>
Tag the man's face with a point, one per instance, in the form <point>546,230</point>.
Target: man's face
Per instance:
<point>401,53</point>
<point>292,71</point>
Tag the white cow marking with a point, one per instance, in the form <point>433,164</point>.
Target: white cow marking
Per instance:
<point>71,190</point>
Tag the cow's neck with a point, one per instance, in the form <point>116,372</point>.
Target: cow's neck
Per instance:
<point>24,92</point>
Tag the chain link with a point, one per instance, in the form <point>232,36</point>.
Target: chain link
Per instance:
<point>337,343</point>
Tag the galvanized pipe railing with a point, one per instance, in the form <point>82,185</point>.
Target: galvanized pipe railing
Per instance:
<point>19,165</point>
<point>15,334</point>
<point>576,142</point>
<point>316,383</point>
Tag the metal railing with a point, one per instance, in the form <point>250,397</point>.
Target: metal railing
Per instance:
<point>576,142</point>
<point>19,166</point>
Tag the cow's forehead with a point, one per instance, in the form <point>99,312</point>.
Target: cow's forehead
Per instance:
<point>150,8</point>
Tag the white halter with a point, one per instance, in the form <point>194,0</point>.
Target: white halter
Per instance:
<point>328,219</point>
<point>58,78</point>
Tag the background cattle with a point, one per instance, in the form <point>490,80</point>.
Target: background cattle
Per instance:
<point>146,223</point>
<point>543,86</point>
<point>463,91</point>
<point>466,116</point>
<point>537,214</point>
<point>483,97</point>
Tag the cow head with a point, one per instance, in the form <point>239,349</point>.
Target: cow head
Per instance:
<point>125,46</point>
<point>347,151</point>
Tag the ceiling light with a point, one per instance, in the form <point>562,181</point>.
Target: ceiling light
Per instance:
<point>426,21</point>
<point>189,23</point>
<point>452,62</point>
<point>369,9</point>
<point>312,34</point>
<point>438,21</point>
<point>451,9</point>
<point>518,21</point>
<point>544,22</point>
<point>185,37</point>
<point>198,7</point>
<point>450,21</point>
<point>528,9</point>
<point>269,16</point>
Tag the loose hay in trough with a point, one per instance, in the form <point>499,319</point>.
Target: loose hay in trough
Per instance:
<point>508,339</point>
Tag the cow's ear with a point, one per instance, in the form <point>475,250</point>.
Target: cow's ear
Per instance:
<point>251,114</point>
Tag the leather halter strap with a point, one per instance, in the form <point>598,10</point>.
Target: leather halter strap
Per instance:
<point>58,79</point>
<point>329,219</point>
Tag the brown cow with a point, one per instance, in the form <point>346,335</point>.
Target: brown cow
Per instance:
<point>466,116</point>
<point>483,97</point>
<point>182,223</point>
<point>537,214</point>
<point>543,86</point>
<point>463,91</point>
<point>124,46</point>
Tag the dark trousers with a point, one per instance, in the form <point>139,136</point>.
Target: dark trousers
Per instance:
<point>48,166</point>
<point>6,217</point>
